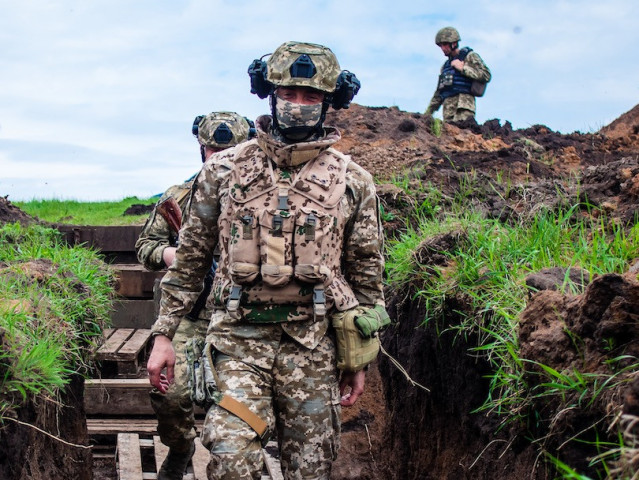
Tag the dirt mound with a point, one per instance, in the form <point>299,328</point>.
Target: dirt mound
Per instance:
<point>626,126</point>
<point>9,213</point>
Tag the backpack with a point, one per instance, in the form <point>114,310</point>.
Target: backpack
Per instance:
<point>477,88</point>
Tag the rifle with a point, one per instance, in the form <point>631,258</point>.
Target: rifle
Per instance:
<point>171,212</point>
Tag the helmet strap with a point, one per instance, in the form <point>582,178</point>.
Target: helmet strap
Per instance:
<point>203,152</point>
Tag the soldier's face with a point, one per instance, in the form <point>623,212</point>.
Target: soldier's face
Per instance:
<point>446,48</point>
<point>301,95</point>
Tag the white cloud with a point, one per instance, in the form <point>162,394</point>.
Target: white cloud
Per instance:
<point>118,83</point>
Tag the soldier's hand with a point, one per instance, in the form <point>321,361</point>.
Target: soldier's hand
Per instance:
<point>162,356</point>
<point>168,255</point>
<point>457,64</point>
<point>354,380</point>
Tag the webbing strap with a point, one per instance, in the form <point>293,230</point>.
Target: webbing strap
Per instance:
<point>240,410</point>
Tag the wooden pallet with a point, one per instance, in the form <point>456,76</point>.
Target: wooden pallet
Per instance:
<point>140,459</point>
<point>124,351</point>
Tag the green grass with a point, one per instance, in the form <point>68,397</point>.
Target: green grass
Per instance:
<point>85,213</point>
<point>65,296</point>
<point>487,268</point>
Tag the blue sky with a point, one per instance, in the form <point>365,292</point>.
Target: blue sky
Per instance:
<point>97,97</point>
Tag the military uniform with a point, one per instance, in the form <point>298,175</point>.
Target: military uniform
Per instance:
<point>174,410</point>
<point>462,105</point>
<point>276,350</point>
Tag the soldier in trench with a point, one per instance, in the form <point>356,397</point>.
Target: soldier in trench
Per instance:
<point>297,224</point>
<point>155,249</point>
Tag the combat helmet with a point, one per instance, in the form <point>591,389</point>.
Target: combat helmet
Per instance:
<point>221,129</point>
<point>447,35</point>
<point>298,64</point>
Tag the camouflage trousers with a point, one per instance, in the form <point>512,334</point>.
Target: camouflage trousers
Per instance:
<point>174,409</point>
<point>458,108</point>
<point>298,398</point>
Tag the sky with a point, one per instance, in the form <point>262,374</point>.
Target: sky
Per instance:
<point>97,97</point>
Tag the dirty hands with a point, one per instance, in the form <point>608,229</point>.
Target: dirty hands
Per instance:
<point>354,380</point>
<point>162,356</point>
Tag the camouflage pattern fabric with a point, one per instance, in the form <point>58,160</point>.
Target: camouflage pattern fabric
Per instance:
<point>269,365</point>
<point>299,399</point>
<point>174,409</point>
<point>156,234</point>
<point>461,107</point>
<point>291,114</point>
<point>326,65</point>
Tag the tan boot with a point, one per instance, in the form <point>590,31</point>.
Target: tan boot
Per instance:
<point>175,464</point>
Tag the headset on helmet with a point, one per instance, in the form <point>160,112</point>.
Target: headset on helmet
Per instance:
<point>296,64</point>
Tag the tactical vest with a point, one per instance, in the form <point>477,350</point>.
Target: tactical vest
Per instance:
<point>281,238</point>
<point>451,80</point>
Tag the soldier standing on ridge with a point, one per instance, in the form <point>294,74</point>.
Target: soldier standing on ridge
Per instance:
<point>461,74</point>
<point>155,249</point>
<point>298,228</point>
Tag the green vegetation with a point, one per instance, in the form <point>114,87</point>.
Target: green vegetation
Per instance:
<point>86,213</point>
<point>486,267</point>
<point>54,302</point>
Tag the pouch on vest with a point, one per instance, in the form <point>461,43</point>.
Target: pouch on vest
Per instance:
<point>199,370</point>
<point>354,351</point>
<point>244,250</point>
<point>276,247</point>
<point>312,246</point>
<point>445,80</point>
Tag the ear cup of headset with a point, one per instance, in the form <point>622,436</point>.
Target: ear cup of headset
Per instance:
<point>347,87</point>
<point>196,124</point>
<point>259,85</point>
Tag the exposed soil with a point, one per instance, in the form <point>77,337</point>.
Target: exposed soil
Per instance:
<point>398,430</point>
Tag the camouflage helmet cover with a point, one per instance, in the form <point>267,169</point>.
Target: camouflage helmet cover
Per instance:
<point>447,35</point>
<point>235,131</point>
<point>326,66</point>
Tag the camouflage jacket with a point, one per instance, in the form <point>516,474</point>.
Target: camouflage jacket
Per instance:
<point>362,261</point>
<point>474,68</point>
<point>156,234</point>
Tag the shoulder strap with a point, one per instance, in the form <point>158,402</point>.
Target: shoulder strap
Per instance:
<point>463,53</point>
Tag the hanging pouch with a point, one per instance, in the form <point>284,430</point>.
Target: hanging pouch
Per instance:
<point>312,246</point>
<point>276,247</point>
<point>244,250</point>
<point>354,351</point>
<point>200,374</point>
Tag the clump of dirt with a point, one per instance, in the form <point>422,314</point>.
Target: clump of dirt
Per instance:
<point>138,209</point>
<point>9,213</point>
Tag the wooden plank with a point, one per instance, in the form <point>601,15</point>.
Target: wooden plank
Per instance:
<point>129,457</point>
<point>135,344</point>
<point>109,350</point>
<point>200,460</point>
<point>133,313</point>
<point>113,396</point>
<point>160,452</point>
<point>113,238</point>
<point>135,281</point>
<point>113,426</point>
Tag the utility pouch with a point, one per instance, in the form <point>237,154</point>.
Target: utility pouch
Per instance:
<point>204,387</point>
<point>445,80</point>
<point>354,350</point>
<point>372,321</point>
<point>200,373</point>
